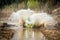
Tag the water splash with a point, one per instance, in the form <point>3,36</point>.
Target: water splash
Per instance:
<point>42,18</point>
<point>18,18</point>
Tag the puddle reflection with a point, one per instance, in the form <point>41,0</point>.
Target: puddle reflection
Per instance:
<point>28,34</point>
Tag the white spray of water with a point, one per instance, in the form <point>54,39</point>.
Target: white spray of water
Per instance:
<point>18,18</point>
<point>42,18</point>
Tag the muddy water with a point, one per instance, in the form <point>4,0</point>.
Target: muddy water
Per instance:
<point>29,34</point>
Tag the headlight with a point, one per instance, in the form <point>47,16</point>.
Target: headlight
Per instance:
<point>29,25</point>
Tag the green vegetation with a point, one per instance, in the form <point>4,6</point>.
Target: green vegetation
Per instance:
<point>32,4</point>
